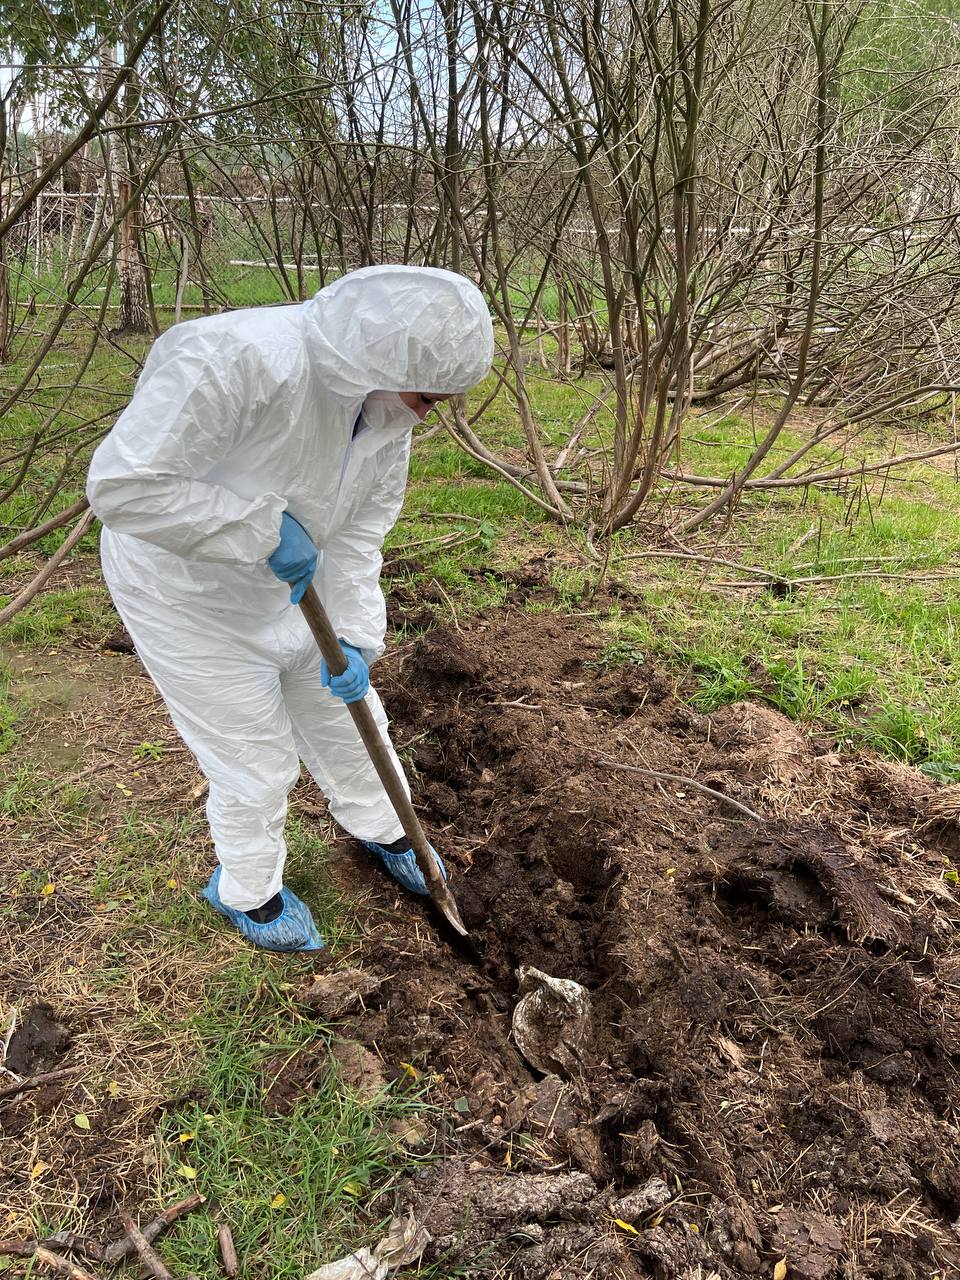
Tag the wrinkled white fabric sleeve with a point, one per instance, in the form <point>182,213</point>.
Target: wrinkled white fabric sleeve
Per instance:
<point>353,557</point>
<point>193,402</point>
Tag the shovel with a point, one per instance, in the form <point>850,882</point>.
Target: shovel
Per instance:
<point>326,638</point>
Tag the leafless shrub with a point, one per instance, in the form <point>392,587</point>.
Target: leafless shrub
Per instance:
<point>686,199</point>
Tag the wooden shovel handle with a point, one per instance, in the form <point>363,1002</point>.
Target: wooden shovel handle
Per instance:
<point>336,661</point>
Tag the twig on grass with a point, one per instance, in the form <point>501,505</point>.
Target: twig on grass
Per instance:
<point>70,1242</point>
<point>123,1247</point>
<point>30,536</point>
<point>228,1252</point>
<point>48,570</point>
<point>74,778</point>
<point>802,541</point>
<point>456,624</point>
<point>687,782</point>
<point>656,554</point>
<point>145,1251</point>
<point>7,1037</point>
<point>814,564</point>
<point>791,583</point>
<point>446,540</point>
<point>198,791</point>
<point>18,1248</point>
<point>60,1240</point>
<point>37,1082</point>
<point>62,1265</point>
<point>785,580</point>
<point>441,515</point>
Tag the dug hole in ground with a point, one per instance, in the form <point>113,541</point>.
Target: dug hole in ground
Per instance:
<point>772,1066</point>
<point>769,1080</point>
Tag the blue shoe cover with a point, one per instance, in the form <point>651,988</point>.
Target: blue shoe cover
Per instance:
<point>403,866</point>
<point>293,929</point>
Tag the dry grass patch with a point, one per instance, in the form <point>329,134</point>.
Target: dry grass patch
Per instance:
<point>172,1026</point>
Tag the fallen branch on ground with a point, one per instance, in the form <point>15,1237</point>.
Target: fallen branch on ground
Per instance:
<point>146,1253</point>
<point>61,1265</point>
<point>48,570</point>
<point>704,559</point>
<point>30,536</point>
<point>70,1242</point>
<point>123,1247</point>
<point>228,1252</point>
<point>816,579</point>
<point>440,515</point>
<point>36,1082</point>
<point>448,540</point>
<point>18,1248</point>
<point>822,477</point>
<point>456,624</point>
<point>134,1240</point>
<point>687,782</point>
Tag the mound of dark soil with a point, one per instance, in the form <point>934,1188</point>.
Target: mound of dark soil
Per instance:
<point>37,1043</point>
<point>774,1067</point>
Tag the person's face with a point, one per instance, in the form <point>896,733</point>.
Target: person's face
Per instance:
<point>421,402</point>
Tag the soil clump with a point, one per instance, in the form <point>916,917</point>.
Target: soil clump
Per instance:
<point>37,1043</point>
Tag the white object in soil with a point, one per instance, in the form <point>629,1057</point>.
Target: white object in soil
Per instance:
<point>404,1242</point>
<point>552,1022</point>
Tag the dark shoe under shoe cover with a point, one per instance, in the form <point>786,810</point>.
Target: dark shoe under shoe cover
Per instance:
<point>293,930</point>
<point>403,866</point>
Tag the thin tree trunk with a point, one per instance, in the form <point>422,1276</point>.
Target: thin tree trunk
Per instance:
<point>133,316</point>
<point>182,276</point>
<point>4,274</point>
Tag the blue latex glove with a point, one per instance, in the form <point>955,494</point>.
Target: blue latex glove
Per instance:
<point>295,560</point>
<point>352,684</point>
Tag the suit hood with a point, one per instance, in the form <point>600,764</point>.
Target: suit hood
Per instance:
<point>399,328</point>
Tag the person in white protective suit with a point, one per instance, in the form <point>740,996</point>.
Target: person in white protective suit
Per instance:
<point>262,447</point>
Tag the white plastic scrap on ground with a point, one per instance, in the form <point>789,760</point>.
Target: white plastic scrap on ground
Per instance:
<point>552,1022</point>
<point>404,1242</point>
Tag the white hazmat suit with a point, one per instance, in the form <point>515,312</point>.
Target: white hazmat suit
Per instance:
<point>235,419</point>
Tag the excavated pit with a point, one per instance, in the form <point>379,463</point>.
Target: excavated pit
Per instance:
<point>774,1066</point>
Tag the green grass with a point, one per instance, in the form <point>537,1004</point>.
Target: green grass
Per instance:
<point>9,709</point>
<point>865,683</point>
<point>58,614</point>
<point>170,983</point>
<point>27,790</point>
<point>295,1188</point>
<point>871,659</point>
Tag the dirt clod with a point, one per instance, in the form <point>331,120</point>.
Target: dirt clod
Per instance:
<point>38,1043</point>
<point>812,1244</point>
<point>359,1069</point>
<point>653,1194</point>
<point>497,1204</point>
<point>331,995</point>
